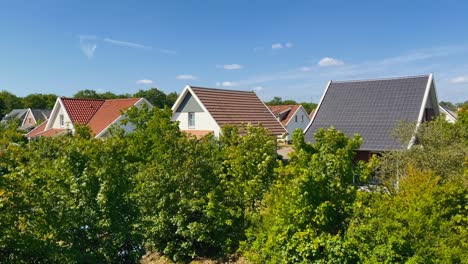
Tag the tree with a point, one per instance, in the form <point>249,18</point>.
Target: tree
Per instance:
<point>67,200</point>
<point>448,105</point>
<point>171,98</point>
<point>424,222</point>
<point>309,106</point>
<point>197,196</point>
<point>8,102</point>
<point>156,97</point>
<point>275,101</point>
<point>89,94</point>
<point>39,101</point>
<point>440,147</point>
<point>309,207</point>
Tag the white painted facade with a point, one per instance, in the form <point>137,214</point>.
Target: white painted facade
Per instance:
<point>203,119</point>
<point>55,116</point>
<point>300,119</point>
<point>59,112</point>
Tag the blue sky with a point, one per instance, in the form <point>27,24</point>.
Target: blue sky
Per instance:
<point>289,49</point>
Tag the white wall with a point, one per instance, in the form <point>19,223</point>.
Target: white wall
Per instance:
<point>203,121</point>
<point>292,125</point>
<point>56,119</point>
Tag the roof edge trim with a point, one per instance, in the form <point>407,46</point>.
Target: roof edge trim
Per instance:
<point>318,107</point>
<point>421,111</point>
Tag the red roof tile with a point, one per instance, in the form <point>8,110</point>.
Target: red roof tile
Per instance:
<point>36,131</point>
<point>284,112</point>
<point>52,132</point>
<point>109,111</point>
<point>229,107</point>
<point>81,110</point>
<point>97,114</point>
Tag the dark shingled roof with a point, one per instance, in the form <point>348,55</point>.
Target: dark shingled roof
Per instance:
<point>41,114</point>
<point>230,107</point>
<point>15,113</point>
<point>371,108</point>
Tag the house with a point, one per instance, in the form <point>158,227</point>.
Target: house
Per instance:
<point>449,115</point>
<point>29,118</point>
<point>15,114</point>
<point>34,117</point>
<point>201,111</point>
<point>98,114</point>
<point>291,117</point>
<point>373,109</point>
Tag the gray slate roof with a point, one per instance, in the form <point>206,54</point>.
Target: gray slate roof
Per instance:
<point>15,113</point>
<point>371,108</point>
<point>41,114</point>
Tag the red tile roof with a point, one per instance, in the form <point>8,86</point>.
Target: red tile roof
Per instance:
<point>229,107</point>
<point>52,132</point>
<point>98,114</point>
<point>284,112</point>
<point>81,110</point>
<point>36,131</point>
<point>109,111</point>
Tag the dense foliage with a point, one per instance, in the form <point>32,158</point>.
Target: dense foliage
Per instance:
<point>308,209</point>
<point>74,199</point>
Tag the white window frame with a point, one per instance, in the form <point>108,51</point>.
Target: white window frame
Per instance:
<point>191,119</point>
<point>62,120</point>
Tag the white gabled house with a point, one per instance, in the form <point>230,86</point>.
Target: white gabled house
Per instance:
<point>98,114</point>
<point>449,115</point>
<point>292,117</point>
<point>201,111</point>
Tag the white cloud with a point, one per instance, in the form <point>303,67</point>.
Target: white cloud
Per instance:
<point>277,46</point>
<point>88,49</point>
<point>125,43</point>
<point>227,84</point>
<point>306,69</point>
<point>281,45</point>
<point>258,88</point>
<point>459,79</point>
<point>88,45</point>
<point>186,77</point>
<point>230,66</point>
<point>327,61</point>
<point>144,81</point>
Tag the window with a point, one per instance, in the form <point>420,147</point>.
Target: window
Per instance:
<point>62,121</point>
<point>191,120</point>
<point>295,118</point>
<point>302,118</point>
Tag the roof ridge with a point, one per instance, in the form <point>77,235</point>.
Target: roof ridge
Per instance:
<point>121,99</point>
<point>88,99</point>
<point>220,89</point>
<point>384,79</point>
